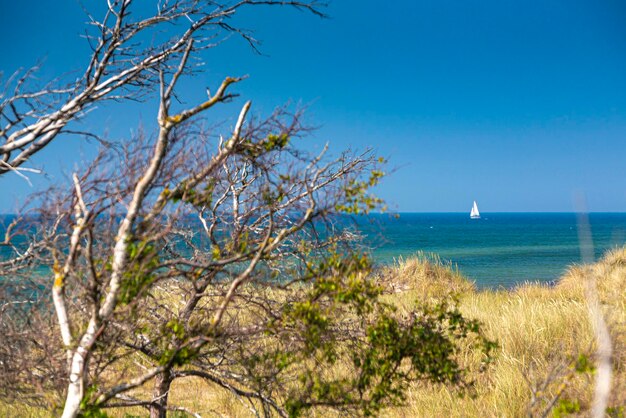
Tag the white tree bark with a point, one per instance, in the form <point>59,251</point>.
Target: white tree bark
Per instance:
<point>58,287</point>
<point>79,361</point>
<point>76,388</point>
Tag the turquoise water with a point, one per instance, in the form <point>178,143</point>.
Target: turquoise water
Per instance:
<point>500,249</point>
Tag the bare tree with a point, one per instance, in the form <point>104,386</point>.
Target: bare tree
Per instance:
<point>187,253</point>
<point>128,54</point>
<point>176,257</point>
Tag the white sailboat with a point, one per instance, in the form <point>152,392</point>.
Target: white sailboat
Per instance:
<point>474,213</point>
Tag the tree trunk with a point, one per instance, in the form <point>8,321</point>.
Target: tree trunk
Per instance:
<point>160,394</point>
<point>78,373</point>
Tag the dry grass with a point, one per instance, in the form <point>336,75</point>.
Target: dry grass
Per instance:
<point>540,330</point>
<point>426,276</point>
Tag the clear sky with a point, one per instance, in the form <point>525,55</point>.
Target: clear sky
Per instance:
<point>518,105</point>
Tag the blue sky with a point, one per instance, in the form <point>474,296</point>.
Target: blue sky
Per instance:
<point>519,105</point>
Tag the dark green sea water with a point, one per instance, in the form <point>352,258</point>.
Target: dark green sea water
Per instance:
<point>500,249</point>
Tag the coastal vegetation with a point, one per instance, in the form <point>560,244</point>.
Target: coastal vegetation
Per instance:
<point>206,268</point>
<point>191,250</point>
<point>543,364</point>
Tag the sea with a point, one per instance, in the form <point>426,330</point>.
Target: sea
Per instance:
<point>497,250</point>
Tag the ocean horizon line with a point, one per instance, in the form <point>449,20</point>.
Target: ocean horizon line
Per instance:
<point>460,212</point>
<point>495,212</point>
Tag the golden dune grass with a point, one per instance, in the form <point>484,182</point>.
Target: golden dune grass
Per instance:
<point>541,332</point>
<point>539,329</point>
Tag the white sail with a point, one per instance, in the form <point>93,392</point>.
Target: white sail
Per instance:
<point>474,214</point>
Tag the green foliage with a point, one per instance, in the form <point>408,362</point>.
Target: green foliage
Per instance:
<point>194,196</point>
<point>345,282</point>
<point>93,412</point>
<point>178,414</point>
<point>173,350</point>
<point>565,407</point>
<point>88,408</point>
<point>392,354</point>
<point>583,364</point>
<point>140,273</point>
<point>385,351</point>
<point>337,318</point>
<point>429,341</point>
<point>315,322</point>
<point>357,199</point>
<point>216,252</point>
<point>616,412</point>
<point>273,142</point>
<point>177,329</point>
